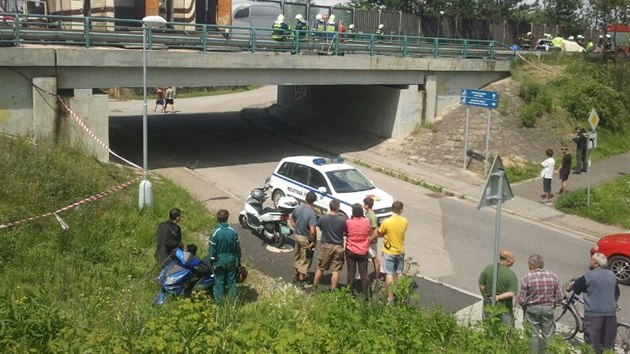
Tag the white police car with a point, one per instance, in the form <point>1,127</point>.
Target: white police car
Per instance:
<point>329,179</point>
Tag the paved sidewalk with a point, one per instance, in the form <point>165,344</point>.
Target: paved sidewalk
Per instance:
<point>454,181</point>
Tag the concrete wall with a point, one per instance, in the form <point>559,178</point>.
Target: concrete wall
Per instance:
<point>16,104</point>
<point>28,108</point>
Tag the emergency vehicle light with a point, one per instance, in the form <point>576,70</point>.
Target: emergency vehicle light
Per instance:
<point>322,161</point>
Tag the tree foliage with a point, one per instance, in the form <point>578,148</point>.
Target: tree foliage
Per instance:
<point>572,16</point>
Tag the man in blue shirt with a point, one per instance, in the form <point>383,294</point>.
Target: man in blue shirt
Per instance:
<point>225,252</point>
<point>601,293</point>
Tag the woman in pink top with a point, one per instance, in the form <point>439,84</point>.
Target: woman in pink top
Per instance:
<point>357,246</point>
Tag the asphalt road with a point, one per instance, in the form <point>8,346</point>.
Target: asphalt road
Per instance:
<point>449,238</point>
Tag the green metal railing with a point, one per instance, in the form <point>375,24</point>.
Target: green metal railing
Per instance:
<point>20,29</point>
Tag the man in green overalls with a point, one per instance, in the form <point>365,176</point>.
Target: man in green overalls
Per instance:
<point>225,252</point>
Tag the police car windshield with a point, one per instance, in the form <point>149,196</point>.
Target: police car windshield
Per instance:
<point>348,181</point>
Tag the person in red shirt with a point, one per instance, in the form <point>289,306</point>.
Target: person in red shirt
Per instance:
<point>358,246</point>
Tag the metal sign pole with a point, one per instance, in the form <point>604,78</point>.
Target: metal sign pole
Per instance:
<point>588,180</point>
<point>497,234</point>
<point>466,135</point>
<point>485,173</point>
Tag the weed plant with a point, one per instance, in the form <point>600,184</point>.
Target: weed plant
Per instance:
<point>522,171</point>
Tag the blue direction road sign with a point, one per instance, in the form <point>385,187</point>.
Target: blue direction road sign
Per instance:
<point>480,102</point>
<point>486,95</point>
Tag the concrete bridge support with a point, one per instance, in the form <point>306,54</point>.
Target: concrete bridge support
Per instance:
<point>30,109</point>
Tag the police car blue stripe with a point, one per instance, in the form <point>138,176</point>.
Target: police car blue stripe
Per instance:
<point>311,189</point>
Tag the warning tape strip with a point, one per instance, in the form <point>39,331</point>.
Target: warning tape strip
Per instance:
<point>534,65</point>
<point>92,135</point>
<point>89,199</point>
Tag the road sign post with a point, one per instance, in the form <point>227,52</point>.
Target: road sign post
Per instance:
<point>591,143</point>
<point>479,98</point>
<point>496,191</point>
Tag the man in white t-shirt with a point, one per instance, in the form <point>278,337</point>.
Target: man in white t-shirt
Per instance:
<point>547,174</point>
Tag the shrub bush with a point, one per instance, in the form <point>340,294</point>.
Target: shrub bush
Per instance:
<point>529,114</point>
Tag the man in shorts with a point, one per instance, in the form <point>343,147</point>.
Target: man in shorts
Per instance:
<point>333,227</point>
<point>393,231</point>
<point>303,220</point>
<point>547,174</point>
<point>375,245</point>
<point>170,99</point>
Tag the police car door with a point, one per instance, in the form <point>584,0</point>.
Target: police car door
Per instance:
<point>297,186</point>
<point>318,184</point>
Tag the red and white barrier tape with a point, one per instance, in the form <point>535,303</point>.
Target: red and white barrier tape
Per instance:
<point>532,64</point>
<point>87,130</point>
<point>89,199</point>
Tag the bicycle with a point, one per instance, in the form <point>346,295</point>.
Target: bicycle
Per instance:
<point>568,316</point>
<point>570,320</point>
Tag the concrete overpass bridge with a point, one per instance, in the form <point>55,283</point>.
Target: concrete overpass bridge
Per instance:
<point>386,95</point>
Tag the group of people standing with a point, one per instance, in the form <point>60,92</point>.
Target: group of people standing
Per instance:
<point>163,99</point>
<point>548,165</point>
<point>540,292</point>
<point>324,28</point>
<point>361,234</point>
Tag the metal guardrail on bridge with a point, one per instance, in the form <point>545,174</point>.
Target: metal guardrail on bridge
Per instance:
<point>19,29</point>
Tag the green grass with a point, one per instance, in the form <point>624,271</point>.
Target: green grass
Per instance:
<point>522,171</point>
<point>609,203</point>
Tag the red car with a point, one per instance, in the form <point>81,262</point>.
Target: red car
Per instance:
<point>617,248</point>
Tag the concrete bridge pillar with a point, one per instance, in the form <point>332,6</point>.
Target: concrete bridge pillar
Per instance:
<point>45,107</point>
<point>92,109</point>
<point>431,84</point>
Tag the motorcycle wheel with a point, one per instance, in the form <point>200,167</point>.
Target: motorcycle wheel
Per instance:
<point>242,219</point>
<point>278,240</point>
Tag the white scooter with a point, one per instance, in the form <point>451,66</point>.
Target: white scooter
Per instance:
<point>269,223</point>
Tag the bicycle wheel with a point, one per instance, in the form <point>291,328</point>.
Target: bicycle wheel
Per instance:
<point>567,321</point>
<point>622,341</point>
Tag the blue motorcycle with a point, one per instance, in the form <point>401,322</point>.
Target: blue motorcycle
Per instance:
<point>184,275</point>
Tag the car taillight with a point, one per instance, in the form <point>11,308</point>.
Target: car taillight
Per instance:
<point>284,217</point>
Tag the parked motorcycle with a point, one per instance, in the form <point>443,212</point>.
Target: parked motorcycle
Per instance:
<point>269,223</point>
<point>184,275</point>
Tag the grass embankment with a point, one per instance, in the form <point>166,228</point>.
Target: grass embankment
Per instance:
<point>90,288</point>
<point>565,89</point>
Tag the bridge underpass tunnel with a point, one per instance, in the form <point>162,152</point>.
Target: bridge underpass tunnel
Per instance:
<point>384,111</point>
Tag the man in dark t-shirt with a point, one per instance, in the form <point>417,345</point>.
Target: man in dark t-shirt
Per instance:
<point>333,227</point>
<point>169,237</point>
